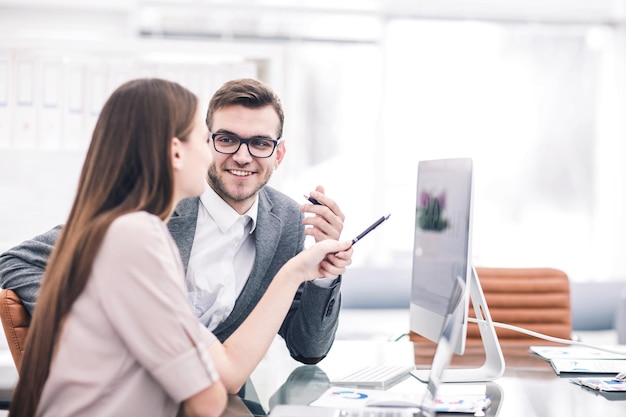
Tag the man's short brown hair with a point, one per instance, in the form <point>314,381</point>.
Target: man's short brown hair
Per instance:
<point>249,93</point>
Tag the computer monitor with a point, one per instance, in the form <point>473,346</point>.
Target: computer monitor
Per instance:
<point>441,257</point>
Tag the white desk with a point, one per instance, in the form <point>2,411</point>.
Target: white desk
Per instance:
<point>529,387</point>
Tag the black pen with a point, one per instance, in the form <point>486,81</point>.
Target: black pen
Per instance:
<point>312,200</point>
<point>369,229</point>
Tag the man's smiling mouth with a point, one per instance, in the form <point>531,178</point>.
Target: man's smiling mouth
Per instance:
<point>240,173</point>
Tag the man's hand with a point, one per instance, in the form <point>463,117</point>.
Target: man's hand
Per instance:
<point>327,221</point>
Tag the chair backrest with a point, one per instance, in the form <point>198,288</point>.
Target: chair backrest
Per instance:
<point>536,299</point>
<point>15,321</point>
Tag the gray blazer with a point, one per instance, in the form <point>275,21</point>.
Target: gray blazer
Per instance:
<point>310,326</point>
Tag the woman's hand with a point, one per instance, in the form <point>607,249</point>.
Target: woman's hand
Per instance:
<point>325,259</point>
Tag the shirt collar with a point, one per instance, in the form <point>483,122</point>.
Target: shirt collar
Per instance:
<point>223,214</point>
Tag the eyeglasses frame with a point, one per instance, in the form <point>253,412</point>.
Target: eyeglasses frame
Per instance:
<point>246,142</point>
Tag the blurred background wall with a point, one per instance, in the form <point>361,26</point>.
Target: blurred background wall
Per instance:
<point>532,90</point>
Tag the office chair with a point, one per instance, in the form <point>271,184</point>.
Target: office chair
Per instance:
<point>536,299</point>
<point>15,321</point>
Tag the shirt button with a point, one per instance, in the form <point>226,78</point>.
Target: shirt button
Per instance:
<point>329,309</point>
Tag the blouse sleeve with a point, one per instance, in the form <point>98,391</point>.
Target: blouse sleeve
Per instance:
<point>139,279</point>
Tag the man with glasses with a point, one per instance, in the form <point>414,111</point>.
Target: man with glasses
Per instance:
<point>238,234</point>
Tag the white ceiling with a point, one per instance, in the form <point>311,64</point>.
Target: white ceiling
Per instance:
<point>330,20</point>
<point>511,9</point>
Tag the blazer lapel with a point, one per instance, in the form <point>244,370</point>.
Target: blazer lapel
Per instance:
<point>182,226</point>
<point>267,235</point>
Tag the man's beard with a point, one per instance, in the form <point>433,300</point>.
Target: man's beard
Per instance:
<point>220,188</point>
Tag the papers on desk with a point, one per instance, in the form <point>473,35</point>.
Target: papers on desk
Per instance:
<point>574,352</point>
<point>578,359</point>
<point>455,398</point>
<point>588,366</point>
<point>601,384</point>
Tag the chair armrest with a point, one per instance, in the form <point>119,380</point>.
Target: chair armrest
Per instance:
<point>15,321</point>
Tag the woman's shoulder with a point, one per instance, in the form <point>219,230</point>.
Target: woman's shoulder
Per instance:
<point>135,237</point>
<point>135,226</point>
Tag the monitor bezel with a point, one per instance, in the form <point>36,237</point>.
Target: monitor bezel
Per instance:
<point>423,321</point>
<point>430,324</point>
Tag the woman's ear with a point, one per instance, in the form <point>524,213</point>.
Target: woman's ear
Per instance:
<point>176,154</point>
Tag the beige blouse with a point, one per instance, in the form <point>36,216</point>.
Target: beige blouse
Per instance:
<point>130,345</point>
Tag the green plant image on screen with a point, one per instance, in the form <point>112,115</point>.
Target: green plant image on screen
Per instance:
<point>430,212</point>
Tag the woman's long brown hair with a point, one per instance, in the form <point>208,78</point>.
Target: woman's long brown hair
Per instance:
<point>127,168</point>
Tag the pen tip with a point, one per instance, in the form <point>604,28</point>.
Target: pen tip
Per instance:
<point>387,216</point>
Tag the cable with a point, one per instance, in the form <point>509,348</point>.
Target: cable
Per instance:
<point>402,336</point>
<point>543,336</point>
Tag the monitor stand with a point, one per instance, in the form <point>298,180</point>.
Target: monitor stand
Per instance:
<point>493,367</point>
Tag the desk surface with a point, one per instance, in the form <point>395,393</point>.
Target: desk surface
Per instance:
<point>528,388</point>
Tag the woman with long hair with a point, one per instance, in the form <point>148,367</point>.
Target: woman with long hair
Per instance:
<point>113,332</point>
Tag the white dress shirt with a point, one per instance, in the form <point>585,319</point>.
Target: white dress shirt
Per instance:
<point>221,257</point>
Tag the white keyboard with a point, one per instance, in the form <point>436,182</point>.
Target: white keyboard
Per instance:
<point>281,410</point>
<point>376,376</point>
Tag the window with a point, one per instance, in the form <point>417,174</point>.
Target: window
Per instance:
<point>535,106</point>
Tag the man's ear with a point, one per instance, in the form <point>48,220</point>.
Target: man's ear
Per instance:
<point>280,153</point>
<point>176,154</point>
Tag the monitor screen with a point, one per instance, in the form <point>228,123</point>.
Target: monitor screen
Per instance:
<point>444,279</point>
<point>442,245</point>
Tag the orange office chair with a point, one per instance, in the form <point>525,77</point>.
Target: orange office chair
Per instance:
<point>15,321</point>
<point>536,299</point>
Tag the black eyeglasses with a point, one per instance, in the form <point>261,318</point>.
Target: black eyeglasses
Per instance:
<point>229,143</point>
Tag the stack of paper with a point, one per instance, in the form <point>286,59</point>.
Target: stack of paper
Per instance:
<point>577,359</point>
<point>602,384</point>
<point>454,398</point>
